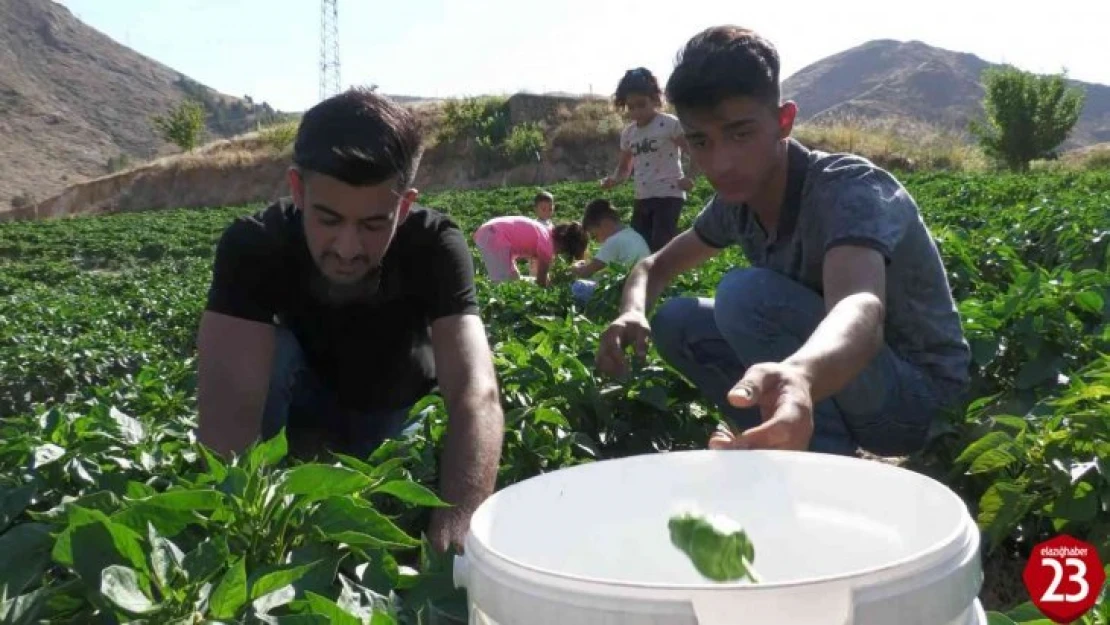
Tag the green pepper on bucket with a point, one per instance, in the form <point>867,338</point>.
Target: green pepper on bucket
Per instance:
<point>718,554</point>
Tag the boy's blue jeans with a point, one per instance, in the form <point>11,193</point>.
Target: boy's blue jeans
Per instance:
<point>762,316</point>
<point>583,290</point>
<point>315,422</point>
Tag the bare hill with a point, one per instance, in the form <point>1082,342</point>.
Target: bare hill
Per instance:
<point>75,103</point>
<point>911,80</point>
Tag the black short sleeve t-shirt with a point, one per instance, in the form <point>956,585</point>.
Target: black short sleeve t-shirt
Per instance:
<point>374,352</point>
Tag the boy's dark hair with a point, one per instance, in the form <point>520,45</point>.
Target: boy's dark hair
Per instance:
<point>361,138</point>
<point>639,81</point>
<point>598,211</point>
<point>543,196</point>
<point>723,62</point>
<point>571,240</point>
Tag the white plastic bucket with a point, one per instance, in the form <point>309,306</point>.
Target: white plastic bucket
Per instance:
<point>837,540</point>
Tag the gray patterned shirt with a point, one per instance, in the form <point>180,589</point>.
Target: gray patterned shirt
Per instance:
<point>838,199</point>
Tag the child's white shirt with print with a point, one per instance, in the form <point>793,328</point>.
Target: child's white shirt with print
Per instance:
<point>657,167</point>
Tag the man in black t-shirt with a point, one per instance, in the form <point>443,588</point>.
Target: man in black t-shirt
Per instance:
<point>333,312</point>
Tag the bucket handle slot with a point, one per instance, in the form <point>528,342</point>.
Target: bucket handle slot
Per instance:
<point>797,606</point>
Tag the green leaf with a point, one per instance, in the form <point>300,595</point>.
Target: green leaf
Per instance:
<point>1038,371</point>
<point>720,554</point>
<point>1016,423</point>
<point>1079,503</point>
<point>13,501</point>
<point>993,460</point>
<point>327,607</point>
<point>543,414</point>
<point>25,609</point>
<point>317,481</point>
<point>274,580</point>
<point>1091,301</point>
<point>171,511</point>
<point>997,618</point>
<point>230,595</point>
<point>300,619</point>
<point>92,543</point>
<point>412,493</point>
<point>216,468</point>
<point>46,454</point>
<point>991,441</point>
<point>268,452</point>
<point>120,585</point>
<point>165,557</point>
<point>984,351</point>
<point>382,618</point>
<point>26,554</point>
<point>129,428</point>
<point>1001,507</point>
<point>206,560</point>
<point>347,519</point>
<point>1025,612</point>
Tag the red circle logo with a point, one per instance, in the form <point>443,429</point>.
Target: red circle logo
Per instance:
<point>1064,577</point>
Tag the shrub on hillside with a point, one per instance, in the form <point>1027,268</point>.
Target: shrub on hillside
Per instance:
<point>587,124</point>
<point>183,126</point>
<point>525,143</point>
<point>279,137</point>
<point>485,119</point>
<point>1028,115</point>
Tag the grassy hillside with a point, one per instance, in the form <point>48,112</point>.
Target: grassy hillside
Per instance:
<point>103,494</point>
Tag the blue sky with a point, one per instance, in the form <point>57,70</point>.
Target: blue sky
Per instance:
<point>269,49</point>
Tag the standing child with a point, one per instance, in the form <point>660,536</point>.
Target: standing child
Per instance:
<point>544,204</point>
<point>650,146</point>
<point>503,240</point>
<point>621,247</point>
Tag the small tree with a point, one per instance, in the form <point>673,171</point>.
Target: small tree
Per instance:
<point>1028,115</point>
<point>183,126</point>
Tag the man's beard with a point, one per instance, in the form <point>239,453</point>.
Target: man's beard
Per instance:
<point>338,293</point>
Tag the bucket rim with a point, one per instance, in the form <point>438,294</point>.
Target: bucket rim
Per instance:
<point>963,537</point>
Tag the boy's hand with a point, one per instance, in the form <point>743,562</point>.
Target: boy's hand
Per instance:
<point>631,328</point>
<point>608,183</point>
<point>782,394</point>
<point>686,183</point>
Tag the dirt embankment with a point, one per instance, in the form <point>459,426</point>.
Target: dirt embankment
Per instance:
<point>239,172</point>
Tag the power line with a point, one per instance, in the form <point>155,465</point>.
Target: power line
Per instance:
<point>329,48</point>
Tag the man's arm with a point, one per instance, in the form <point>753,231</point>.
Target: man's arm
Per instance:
<point>475,425</point>
<point>234,360</point>
<point>851,334</point>
<point>651,275</point>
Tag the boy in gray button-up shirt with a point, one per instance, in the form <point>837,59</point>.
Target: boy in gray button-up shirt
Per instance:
<point>843,333</point>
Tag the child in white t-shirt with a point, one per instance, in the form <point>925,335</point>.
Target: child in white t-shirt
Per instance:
<point>544,205</point>
<point>650,150</point>
<point>621,247</point>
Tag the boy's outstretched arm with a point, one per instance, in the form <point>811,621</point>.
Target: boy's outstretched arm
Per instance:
<point>585,269</point>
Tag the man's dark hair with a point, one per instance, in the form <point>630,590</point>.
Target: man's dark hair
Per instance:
<point>361,138</point>
<point>571,240</point>
<point>722,62</point>
<point>598,211</point>
<point>543,196</point>
<point>639,81</point>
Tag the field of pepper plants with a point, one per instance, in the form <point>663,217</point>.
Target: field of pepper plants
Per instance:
<point>111,513</point>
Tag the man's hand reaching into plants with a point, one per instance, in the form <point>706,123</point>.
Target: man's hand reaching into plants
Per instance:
<point>631,328</point>
<point>782,393</point>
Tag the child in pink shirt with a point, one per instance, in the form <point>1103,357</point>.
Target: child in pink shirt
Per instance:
<point>503,240</point>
